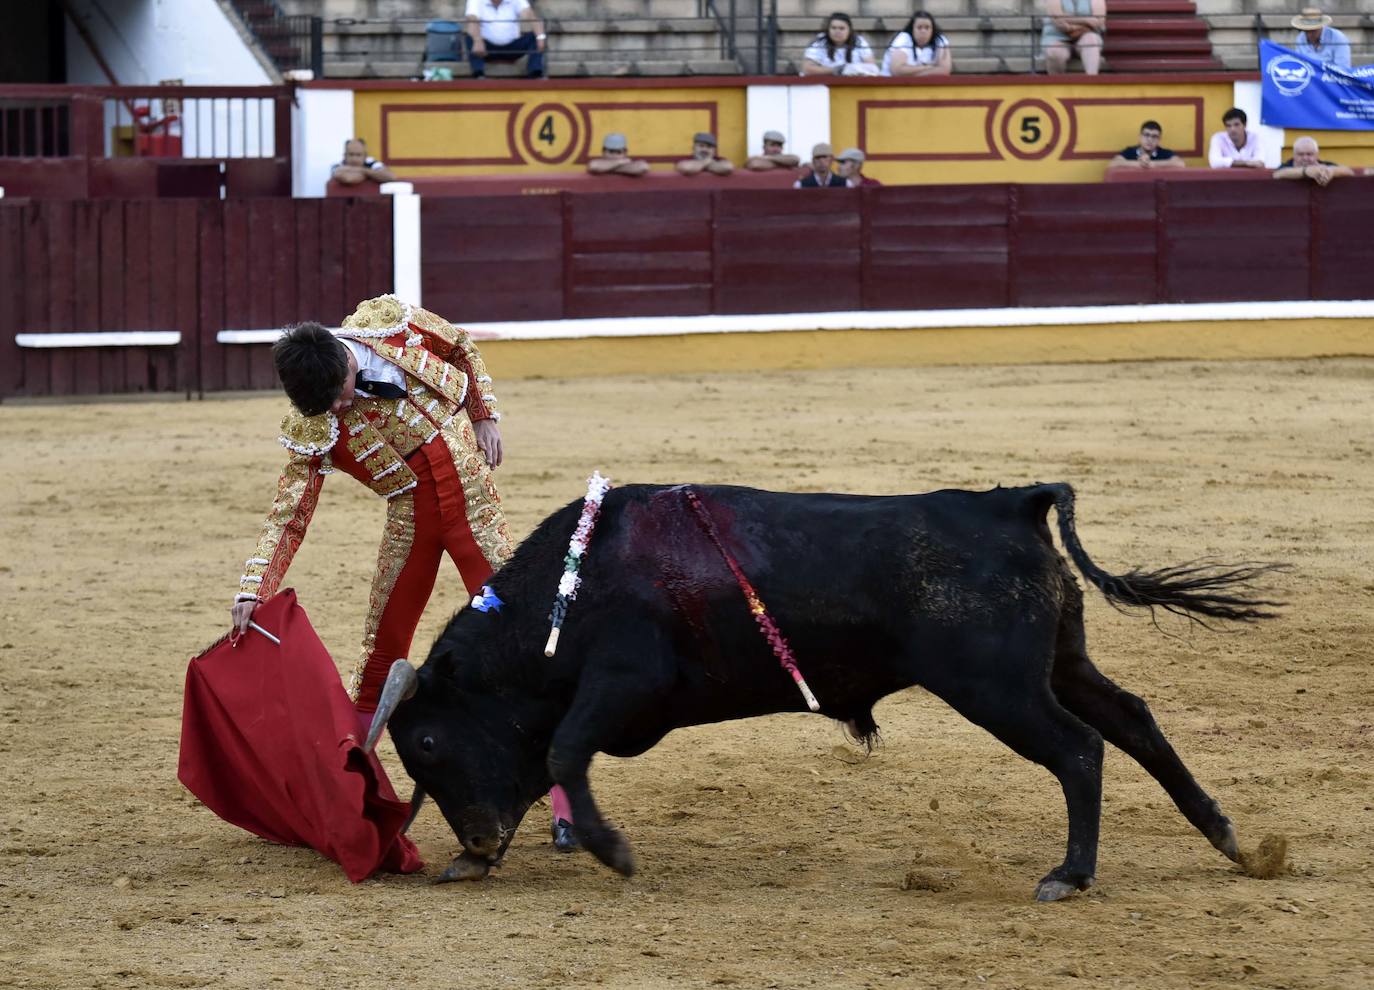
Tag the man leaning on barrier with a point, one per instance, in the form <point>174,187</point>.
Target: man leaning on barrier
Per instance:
<point>615,159</point>
<point>773,155</point>
<point>704,158</point>
<point>1306,163</point>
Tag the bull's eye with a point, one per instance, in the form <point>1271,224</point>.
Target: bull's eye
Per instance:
<point>427,744</point>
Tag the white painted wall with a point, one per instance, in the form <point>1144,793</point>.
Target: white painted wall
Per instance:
<point>1247,97</point>
<point>802,113</point>
<point>146,41</point>
<point>320,124</point>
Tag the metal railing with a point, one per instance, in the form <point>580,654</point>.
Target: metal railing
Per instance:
<point>183,122</point>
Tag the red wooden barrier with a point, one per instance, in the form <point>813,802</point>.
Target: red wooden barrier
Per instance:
<point>206,265</point>
<point>786,250</point>
<point>492,259</point>
<point>195,266</point>
<point>936,247</point>
<point>646,256</point>
<point>1084,246</point>
<point>1342,242</point>
<point>1241,240</point>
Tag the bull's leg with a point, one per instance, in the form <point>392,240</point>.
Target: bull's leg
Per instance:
<point>603,705</point>
<point>1021,711</point>
<point>1125,721</point>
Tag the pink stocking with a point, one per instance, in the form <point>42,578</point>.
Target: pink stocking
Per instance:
<point>561,808</point>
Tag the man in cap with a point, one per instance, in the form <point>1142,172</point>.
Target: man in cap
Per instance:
<point>819,174</point>
<point>1318,40</point>
<point>850,165</point>
<point>773,156</point>
<point>1306,163</point>
<point>704,157</point>
<point>615,158</point>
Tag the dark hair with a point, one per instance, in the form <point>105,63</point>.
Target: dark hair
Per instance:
<point>1151,125</point>
<point>910,29</point>
<point>1235,113</point>
<point>830,45</point>
<point>312,365</point>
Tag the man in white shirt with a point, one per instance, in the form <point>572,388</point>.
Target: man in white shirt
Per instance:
<point>1237,146</point>
<point>506,30</point>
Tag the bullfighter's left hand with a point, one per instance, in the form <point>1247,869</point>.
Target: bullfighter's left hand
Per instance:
<point>489,439</point>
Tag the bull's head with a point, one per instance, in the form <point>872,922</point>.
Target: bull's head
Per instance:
<point>467,751</point>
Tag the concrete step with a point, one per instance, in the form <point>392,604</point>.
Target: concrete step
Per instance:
<point>1156,63</point>
<point>1135,26</point>
<point>1164,44</point>
<point>558,66</point>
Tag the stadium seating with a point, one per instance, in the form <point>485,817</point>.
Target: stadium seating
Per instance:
<point>386,38</point>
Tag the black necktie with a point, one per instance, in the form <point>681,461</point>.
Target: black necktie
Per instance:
<point>378,390</point>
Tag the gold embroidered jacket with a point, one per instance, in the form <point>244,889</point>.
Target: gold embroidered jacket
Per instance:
<point>447,385</point>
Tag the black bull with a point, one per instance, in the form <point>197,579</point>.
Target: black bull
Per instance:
<point>960,592</point>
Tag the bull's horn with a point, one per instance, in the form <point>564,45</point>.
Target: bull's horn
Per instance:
<point>400,685</point>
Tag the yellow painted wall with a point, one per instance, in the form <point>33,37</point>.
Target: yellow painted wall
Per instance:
<point>806,349</point>
<point>1028,130</point>
<point>1020,129</point>
<point>452,130</point>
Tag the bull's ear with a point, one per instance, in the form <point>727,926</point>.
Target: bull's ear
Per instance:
<point>400,684</point>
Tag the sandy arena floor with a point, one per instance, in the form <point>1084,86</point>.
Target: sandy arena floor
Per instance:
<point>771,854</point>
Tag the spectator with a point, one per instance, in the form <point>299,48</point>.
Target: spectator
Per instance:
<point>504,30</point>
<point>1306,164</point>
<point>850,165</point>
<point>772,156</point>
<point>704,158</point>
<point>919,50</point>
<point>1317,39</point>
<point>838,51</point>
<point>1237,146</point>
<point>818,173</point>
<point>615,159</point>
<point>357,168</point>
<point>1074,25</point>
<point>1148,153</point>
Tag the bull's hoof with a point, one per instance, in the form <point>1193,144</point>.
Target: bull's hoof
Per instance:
<point>1052,888</point>
<point>609,846</point>
<point>465,866</point>
<point>564,840</point>
<point>1225,840</point>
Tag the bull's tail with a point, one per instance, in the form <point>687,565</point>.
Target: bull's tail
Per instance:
<point>1197,588</point>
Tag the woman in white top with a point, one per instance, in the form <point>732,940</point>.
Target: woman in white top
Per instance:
<point>920,49</point>
<point>838,51</point>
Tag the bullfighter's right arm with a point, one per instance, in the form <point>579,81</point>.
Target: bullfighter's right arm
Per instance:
<point>298,492</point>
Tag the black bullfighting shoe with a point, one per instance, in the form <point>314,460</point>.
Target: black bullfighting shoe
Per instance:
<point>563,839</point>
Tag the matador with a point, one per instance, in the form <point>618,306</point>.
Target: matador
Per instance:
<point>400,399</point>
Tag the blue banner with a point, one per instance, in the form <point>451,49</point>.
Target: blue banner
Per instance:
<point>1297,91</point>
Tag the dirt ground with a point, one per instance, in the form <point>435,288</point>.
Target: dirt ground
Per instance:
<point>771,853</point>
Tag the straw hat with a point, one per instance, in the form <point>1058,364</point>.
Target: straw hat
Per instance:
<point>1311,19</point>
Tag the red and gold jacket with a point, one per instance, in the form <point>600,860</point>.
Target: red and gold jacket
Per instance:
<point>448,387</point>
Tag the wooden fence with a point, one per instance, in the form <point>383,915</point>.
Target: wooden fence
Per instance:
<point>192,266</point>
<point>902,247</point>
<point>201,266</point>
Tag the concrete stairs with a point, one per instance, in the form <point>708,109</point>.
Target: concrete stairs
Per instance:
<point>1157,36</point>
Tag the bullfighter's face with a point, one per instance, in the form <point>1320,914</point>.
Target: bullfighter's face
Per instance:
<point>475,758</point>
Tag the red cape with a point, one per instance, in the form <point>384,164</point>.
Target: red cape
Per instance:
<point>271,743</point>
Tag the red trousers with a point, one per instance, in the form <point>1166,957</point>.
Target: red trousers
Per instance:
<point>438,521</point>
